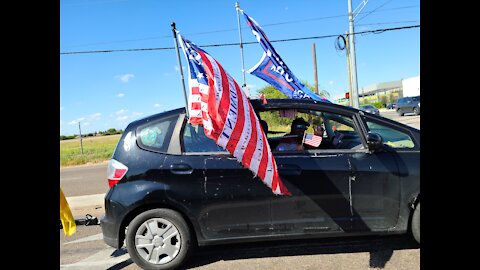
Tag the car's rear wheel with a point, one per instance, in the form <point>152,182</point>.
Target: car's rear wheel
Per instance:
<point>158,239</point>
<point>416,111</point>
<point>416,223</point>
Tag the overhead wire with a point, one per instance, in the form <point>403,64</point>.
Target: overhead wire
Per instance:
<point>376,31</point>
<point>236,29</point>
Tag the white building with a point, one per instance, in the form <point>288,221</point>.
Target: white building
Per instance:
<point>411,86</point>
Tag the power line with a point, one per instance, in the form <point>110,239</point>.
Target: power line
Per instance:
<point>374,10</point>
<point>236,29</point>
<point>381,23</point>
<point>376,31</point>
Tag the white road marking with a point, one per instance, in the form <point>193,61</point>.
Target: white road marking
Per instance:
<point>100,260</point>
<point>87,239</point>
<point>76,202</point>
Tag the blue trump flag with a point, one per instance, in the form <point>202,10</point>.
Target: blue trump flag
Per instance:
<point>274,71</point>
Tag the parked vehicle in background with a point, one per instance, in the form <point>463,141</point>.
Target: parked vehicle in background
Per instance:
<point>391,106</point>
<point>370,109</point>
<point>408,105</point>
<point>172,187</point>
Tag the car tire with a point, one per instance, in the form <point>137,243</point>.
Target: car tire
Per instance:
<point>416,111</point>
<point>416,223</point>
<point>151,251</point>
<point>400,112</point>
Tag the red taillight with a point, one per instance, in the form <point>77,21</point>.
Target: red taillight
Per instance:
<point>115,172</point>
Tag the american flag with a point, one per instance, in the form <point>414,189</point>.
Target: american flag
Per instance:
<point>312,139</point>
<point>217,102</point>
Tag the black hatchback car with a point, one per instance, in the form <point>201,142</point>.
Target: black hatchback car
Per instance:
<point>172,188</point>
<point>408,105</point>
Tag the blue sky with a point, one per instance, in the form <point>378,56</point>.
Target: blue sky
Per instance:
<point>109,90</point>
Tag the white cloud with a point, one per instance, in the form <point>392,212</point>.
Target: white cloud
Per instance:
<point>122,111</point>
<point>94,117</point>
<point>125,77</point>
<point>120,94</point>
<point>330,82</point>
<point>286,8</point>
<point>73,122</point>
<point>134,114</point>
<point>157,105</point>
<point>167,74</point>
<point>85,121</point>
<point>122,118</point>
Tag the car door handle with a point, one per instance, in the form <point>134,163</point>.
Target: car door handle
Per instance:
<point>181,168</point>
<point>289,169</point>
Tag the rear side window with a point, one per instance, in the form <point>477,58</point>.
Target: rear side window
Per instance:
<point>195,140</point>
<point>156,135</point>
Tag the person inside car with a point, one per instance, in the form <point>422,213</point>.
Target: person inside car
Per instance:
<point>293,140</point>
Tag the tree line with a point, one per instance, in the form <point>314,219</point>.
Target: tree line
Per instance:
<point>110,131</point>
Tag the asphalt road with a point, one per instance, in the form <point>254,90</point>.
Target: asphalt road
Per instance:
<point>86,249</point>
<point>84,180</point>
<point>408,119</point>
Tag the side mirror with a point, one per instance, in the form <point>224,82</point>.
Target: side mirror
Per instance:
<point>374,142</point>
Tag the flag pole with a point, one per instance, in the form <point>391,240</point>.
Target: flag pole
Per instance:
<point>174,30</point>
<point>237,7</point>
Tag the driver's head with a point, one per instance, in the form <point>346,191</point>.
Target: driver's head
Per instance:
<point>299,125</point>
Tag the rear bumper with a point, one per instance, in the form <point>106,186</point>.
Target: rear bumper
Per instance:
<point>110,233</point>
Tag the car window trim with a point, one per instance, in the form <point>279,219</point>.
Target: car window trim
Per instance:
<point>174,147</point>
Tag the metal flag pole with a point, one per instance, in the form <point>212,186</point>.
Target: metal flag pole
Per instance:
<point>237,7</point>
<point>174,30</point>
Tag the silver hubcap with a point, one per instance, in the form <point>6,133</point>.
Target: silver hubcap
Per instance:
<point>157,240</point>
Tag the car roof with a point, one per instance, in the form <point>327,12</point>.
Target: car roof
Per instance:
<point>279,103</point>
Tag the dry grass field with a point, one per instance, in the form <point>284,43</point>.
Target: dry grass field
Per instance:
<point>95,149</point>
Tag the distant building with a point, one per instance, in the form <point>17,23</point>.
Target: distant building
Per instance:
<point>390,91</point>
<point>411,87</point>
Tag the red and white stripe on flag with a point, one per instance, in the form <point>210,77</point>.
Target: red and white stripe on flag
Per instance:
<point>313,140</point>
<point>228,117</point>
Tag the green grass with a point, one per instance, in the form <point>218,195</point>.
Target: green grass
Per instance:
<point>95,149</point>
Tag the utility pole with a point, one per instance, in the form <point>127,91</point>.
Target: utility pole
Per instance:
<point>80,130</point>
<point>314,52</point>
<point>351,42</point>
<point>349,73</point>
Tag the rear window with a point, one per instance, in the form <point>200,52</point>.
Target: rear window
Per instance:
<point>156,135</point>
